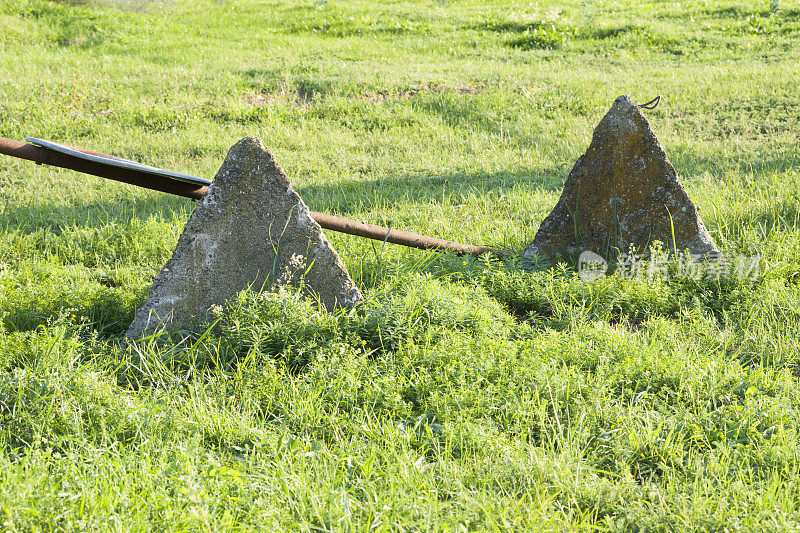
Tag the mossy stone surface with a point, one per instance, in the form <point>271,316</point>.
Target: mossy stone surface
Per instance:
<point>623,191</point>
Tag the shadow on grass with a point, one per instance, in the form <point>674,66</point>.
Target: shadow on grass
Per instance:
<point>57,217</point>
<point>343,197</point>
<point>105,312</point>
<point>739,13</point>
<point>688,161</point>
<point>358,196</point>
<point>783,216</point>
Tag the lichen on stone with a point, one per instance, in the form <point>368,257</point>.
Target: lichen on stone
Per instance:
<point>622,192</point>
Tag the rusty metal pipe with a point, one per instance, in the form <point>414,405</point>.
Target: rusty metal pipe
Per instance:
<point>43,156</point>
<point>405,238</point>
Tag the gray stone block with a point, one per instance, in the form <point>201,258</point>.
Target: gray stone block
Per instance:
<point>250,230</point>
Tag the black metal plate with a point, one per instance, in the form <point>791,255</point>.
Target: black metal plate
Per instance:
<point>118,162</point>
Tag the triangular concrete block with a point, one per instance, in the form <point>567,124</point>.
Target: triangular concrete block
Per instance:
<point>251,229</point>
<point>623,191</point>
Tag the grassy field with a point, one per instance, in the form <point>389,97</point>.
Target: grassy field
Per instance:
<point>472,395</point>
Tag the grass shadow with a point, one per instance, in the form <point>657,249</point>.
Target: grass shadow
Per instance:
<point>784,216</point>
<point>688,161</point>
<point>340,197</point>
<point>455,188</point>
<point>55,217</point>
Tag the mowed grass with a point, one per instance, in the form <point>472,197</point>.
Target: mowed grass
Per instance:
<point>464,395</point>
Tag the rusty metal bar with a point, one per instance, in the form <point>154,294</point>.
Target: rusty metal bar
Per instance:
<point>330,222</point>
<point>405,238</point>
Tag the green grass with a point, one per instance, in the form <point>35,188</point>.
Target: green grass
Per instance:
<point>464,394</point>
